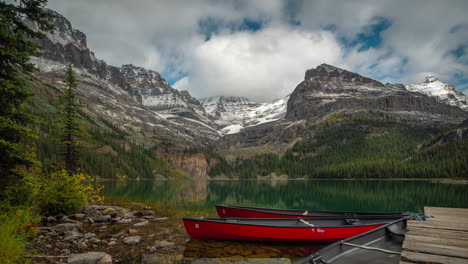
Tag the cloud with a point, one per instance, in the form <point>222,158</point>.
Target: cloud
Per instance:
<point>263,65</point>
<point>261,48</point>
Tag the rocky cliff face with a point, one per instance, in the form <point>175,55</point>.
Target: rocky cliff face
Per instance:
<point>327,89</point>
<point>129,96</point>
<point>196,164</point>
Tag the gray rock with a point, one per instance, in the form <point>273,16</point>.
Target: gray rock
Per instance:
<point>143,213</point>
<point>141,223</point>
<point>71,235</point>
<point>89,235</point>
<point>101,219</point>
<point>118,235</point>
<point>132,240</point>
<point>65,251</point>
<point>110,211</point>
<point>66,227</point>
<point>95,240</point>
<point>90,258</point>
<point>125,221</point>
<point>82,245</point>
<point>51,219</point>
<point>164,243</point>
<point>112,243</point>
<point>132,231</point>
<point>79,216</point>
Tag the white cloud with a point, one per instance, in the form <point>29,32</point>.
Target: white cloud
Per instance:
<point>262,65</point>
<point>165,36</point>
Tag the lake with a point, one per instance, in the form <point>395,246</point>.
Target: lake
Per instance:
<point>197,198</point>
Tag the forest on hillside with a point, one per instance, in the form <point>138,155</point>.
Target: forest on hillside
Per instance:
<point>360,147</point>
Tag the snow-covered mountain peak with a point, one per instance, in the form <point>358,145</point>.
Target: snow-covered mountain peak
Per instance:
<point>235,113</point>
<point>443,92</point>
<point>430,79</point>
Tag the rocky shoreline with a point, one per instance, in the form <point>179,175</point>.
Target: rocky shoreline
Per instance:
<point>104,234</point>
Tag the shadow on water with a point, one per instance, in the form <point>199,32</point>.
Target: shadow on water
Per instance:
<point>197,198</point>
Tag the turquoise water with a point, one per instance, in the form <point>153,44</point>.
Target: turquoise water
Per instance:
<point>197,198</point>
<point>349,195</point>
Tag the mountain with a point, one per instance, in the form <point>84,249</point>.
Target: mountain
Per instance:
<point>198,137</point>
<point>327,91</point>
<point>444,93</point>
<point>235,113</point>
<point>131,97</point>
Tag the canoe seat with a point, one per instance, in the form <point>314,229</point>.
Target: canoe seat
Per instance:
<point>352,221</point>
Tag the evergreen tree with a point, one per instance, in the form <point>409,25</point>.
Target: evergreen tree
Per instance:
<point>16,48</point>
<point>71,130</point>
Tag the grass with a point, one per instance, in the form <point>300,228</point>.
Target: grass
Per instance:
<point>15,231</point>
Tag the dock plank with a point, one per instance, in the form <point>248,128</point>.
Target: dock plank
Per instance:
<point>437,234</point>
<point>438,225</point>
<point>416,257</point>
<point>441,239</point>
<point>444,210</point>
<point>438,241</point>
<point>441,250</point>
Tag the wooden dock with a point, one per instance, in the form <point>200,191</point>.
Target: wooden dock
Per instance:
<point>441,239</point>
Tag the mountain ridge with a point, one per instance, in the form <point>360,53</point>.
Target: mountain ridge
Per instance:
<point>141,101</point>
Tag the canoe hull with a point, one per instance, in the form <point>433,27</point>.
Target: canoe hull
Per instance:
<point>227,231</point>
<point>383,246</point>
<point>226,211</point>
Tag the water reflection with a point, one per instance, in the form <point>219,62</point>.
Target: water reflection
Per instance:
<point>196,248</point>
<point>319,195</point>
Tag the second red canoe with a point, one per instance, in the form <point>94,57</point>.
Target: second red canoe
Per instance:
<point>285,230</point>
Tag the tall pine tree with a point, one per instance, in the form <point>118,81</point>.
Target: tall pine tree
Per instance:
<point>71,122</point>
<point>16,48</point>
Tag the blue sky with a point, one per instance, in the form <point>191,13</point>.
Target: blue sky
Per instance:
<point>262,48</point>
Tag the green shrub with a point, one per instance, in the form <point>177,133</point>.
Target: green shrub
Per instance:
<point>15,230</point>
<point>66,193</point>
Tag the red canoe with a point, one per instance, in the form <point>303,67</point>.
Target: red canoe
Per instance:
<point>280,229</point>
<point>227,211</point>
